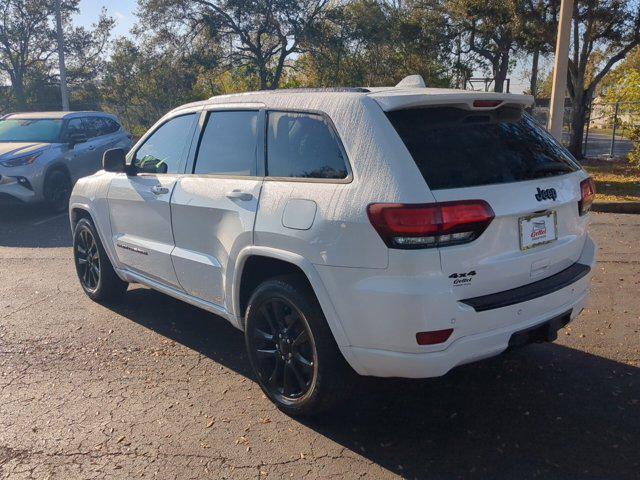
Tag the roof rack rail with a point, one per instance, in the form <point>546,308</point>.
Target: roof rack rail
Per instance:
<point>319,90</point>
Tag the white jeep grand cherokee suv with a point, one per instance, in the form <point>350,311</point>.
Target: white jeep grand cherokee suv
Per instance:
<point>406,230</point>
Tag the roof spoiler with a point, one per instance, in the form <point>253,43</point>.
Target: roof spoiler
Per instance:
<point>412,81</point>
<point>468,100</point>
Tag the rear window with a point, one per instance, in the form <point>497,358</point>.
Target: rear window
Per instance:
<point>455,148</point>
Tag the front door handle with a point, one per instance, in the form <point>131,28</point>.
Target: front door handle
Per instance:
<point>158,190</point>
<point>239,195</point>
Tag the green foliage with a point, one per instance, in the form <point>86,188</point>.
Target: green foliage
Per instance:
<point>623,85</point>
<point>260,35</point>
<point>142,83</point>
<point>634,136</point>
<point>375,43</point>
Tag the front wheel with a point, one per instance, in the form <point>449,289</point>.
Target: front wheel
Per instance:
<point>57,190</point>
<point>291,349</point>
<point>95,272</point>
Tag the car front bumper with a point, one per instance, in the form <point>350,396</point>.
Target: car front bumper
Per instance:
<point>12,188</point>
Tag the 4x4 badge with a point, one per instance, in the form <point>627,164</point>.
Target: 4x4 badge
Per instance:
<point>462,278</point>
<point>546,194</point>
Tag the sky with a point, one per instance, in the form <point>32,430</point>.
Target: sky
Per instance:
<point>123,11</point>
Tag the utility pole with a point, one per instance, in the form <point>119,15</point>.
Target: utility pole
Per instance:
<point>556,114</point>
<point>64,93</point>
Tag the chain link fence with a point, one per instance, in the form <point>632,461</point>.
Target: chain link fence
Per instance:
<point>611,130</point>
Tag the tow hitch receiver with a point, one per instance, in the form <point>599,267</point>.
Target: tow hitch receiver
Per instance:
<point>545,332</point>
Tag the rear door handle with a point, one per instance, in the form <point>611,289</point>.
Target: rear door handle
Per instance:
<point>158,190</point>
<point>239,195</point>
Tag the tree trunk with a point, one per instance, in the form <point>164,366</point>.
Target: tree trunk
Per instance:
<point>578,122</point>
<point>277,76</point>
<point>17,83</point>
<point>262,73</point>
<point>534,73</point>
<point>500,72</point>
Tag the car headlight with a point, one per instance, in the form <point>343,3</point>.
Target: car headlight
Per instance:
<point>21,161</point>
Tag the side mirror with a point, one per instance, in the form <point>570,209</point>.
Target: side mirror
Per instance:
<point>114,160</point>
<point>75,138</point>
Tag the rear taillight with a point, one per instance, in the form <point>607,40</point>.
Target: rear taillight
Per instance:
<point>588,193</point>
<point>430,225</point>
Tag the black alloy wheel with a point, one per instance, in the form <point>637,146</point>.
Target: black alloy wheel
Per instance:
<point>283,350</point>
<point>87,257</point>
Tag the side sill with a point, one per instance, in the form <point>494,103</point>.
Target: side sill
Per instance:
<point>133,277</point>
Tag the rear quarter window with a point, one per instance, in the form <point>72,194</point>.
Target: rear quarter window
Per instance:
<point>455,148</point>
<point>303,145</point>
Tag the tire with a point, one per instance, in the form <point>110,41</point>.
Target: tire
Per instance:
<point>291,348</point>
<point>95,272</point>
<point>57,190</point>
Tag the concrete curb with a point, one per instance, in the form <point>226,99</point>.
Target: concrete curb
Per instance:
<point>616,207</point>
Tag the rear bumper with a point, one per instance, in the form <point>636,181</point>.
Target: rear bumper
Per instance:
<point>477,334</point>
<point>384,363</point>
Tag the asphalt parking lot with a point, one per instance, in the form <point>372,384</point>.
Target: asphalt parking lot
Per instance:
<point>154,388</point>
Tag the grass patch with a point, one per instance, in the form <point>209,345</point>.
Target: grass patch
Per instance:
<point>616,180</point>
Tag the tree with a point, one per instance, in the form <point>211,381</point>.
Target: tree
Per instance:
<point>27,40</point>
<point>377,43</point>
<point>85,49</point>
<point>538,36</point>
<point>262,34</point>
<point>604,32</point>
<point>141,82</point>
<point>623,85</point>
<point>28,48</point>
<point>493,30</point>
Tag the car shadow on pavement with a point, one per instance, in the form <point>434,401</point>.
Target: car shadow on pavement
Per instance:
<point>543,411</point>
<point>25,226</point>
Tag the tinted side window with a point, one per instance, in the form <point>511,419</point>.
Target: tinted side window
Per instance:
<point>92,126</point>
<point>303,145</point>
<point>75,126</point>
<point>228,144</point>
<point>103,126</point>
<point>110,125</point>
<point>165,150</point>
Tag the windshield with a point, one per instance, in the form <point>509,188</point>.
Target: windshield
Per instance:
<point>455,148</point>
<point>42,130</point>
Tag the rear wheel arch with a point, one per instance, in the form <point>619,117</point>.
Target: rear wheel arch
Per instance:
<point>256,269</point>
<point>295,265</point>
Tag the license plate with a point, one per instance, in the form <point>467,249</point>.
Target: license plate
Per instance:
<point>537,229</point>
